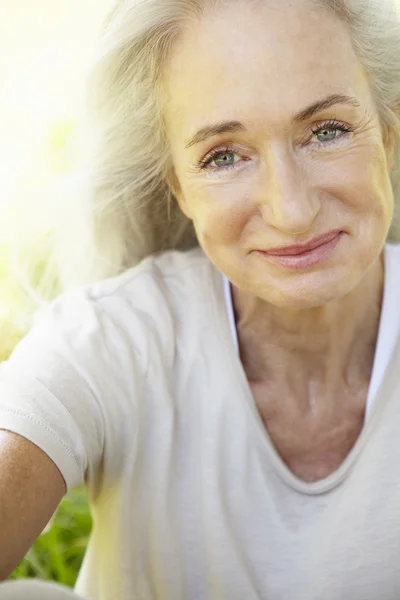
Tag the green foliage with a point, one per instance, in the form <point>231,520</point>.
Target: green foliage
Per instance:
<point>58,553</point>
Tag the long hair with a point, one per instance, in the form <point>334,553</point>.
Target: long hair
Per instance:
<point>122,209</point>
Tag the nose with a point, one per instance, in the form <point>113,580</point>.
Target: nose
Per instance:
<point>288,201</point>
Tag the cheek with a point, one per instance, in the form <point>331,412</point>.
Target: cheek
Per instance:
<point>360,180</point>
<point>220,219</point>
<point>371,199</point>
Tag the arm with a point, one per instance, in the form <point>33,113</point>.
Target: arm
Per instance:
<point>31,487</point>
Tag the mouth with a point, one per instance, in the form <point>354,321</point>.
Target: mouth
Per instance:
<point>304,247</point>
<point>307,255</point>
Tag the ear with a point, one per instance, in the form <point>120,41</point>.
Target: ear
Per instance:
<point>175,187</point>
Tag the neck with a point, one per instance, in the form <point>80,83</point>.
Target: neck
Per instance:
<point>329,347</point>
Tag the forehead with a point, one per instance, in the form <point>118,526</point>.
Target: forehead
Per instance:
<point>270,58</point>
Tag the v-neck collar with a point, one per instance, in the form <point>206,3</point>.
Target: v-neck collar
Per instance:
<point>238,381</point>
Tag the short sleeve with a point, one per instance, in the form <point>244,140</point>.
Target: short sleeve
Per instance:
<point>62,389</point>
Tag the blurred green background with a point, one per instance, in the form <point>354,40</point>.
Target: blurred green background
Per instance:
<point>58,553</point>
<point>45,47</point>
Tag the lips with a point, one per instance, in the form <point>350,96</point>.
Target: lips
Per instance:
<point>297,249</point>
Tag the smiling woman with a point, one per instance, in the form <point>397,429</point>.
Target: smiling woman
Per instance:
<point>122,205</point>
<point>231,403</point>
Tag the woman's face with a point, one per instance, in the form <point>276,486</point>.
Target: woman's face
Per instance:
<point>288,170</point>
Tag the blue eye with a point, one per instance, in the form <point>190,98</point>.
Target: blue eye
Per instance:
<point>328,135</point>
<point>217,155</point>
<point>329,131</point>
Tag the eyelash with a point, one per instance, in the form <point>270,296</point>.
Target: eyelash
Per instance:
<point>333,124</point>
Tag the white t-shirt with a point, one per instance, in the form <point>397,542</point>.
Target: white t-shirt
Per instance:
<point>134,387</point>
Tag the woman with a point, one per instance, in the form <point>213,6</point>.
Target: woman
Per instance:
<point>232,407</point>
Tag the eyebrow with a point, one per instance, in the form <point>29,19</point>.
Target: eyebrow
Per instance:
<point>233,126</point>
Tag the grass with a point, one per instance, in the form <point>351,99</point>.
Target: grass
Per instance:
<point>58,553</point>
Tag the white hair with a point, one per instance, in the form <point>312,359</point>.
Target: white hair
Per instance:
<point>124,210</point>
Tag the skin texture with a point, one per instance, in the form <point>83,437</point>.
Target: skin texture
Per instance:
<point>307,338</point>
<point>31,488</point>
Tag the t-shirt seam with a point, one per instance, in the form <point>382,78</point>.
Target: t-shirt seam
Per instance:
<point>43,426</point>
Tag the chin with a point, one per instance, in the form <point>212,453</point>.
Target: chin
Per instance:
<point>304,301</point>
<point>306,292</point>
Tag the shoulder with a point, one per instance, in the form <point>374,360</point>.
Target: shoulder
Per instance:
<point>140,310</point>
<point>161,271</point>
<point>156,288</point>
